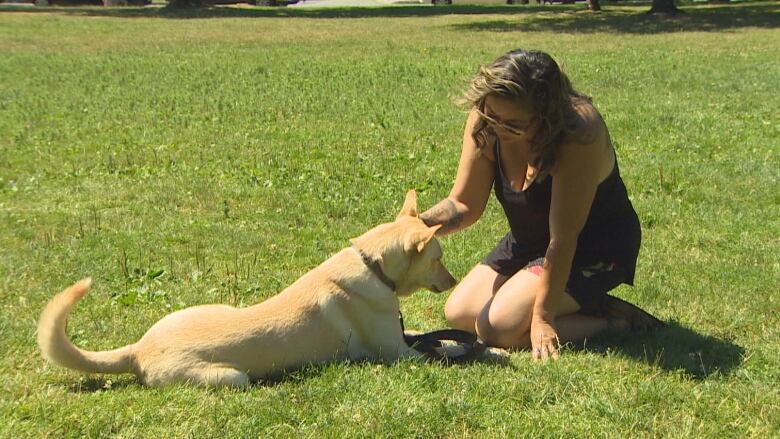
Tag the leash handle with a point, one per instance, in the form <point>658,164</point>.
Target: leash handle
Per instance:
<point>426,343</point>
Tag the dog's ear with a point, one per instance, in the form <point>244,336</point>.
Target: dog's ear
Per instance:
<point>419,239</point>
<point>410,205</point>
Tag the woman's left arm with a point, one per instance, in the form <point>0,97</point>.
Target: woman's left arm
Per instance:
<point>576,178</point>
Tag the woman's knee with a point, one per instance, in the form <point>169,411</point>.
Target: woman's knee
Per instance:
<point>503,338</point>
<point>506,321</point>
<point>500,330</point>
<point>470,296</point>
<point>459,313</point>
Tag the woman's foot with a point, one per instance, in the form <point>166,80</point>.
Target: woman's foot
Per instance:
<point>622,315</point>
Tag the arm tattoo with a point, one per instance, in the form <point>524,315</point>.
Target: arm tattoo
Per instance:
<point>445,213</point>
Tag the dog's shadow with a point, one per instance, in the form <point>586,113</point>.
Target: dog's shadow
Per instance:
<point>315,370</point>
<point>101,383</point>
<point>672,348</point>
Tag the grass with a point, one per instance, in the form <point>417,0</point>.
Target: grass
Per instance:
<point>182,158</point>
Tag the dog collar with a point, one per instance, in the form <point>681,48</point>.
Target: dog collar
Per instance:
<point>373,265</point>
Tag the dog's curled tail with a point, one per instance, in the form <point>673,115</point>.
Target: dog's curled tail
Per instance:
<point>57,348</point>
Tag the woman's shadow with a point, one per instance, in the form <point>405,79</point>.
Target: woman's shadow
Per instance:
<point>673,347</point>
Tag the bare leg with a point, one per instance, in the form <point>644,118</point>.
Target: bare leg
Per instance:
<point>499,310</point>
<point>505,321</point>
<point>577,327</point>
<point>470,296</point>
<point>621,316</point>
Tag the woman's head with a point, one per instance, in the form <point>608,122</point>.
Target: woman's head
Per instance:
<point>532,80</point>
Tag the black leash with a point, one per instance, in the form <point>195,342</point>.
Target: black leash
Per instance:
<point>427,343</point>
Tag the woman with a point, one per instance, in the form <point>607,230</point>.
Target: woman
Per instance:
<point>574,234</point>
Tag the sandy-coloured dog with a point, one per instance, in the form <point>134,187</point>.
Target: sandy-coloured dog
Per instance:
<point>346,308</point>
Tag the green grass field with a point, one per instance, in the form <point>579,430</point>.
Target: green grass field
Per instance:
<point>181,158</point>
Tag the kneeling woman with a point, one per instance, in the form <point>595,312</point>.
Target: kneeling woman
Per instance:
<point>574,234</point>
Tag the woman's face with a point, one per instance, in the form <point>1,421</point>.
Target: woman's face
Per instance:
<point>511,120</point>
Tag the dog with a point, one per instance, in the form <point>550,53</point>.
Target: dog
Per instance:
<point>347,308</point>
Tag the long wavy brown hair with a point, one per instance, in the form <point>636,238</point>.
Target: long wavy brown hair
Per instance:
<point>528,76</point>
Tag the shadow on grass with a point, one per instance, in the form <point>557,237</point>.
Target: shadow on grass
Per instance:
<point>315,370</point>
<point>101,383</point>
<point>673,348</point>
<point>550,18</point>
<point>710,19</point>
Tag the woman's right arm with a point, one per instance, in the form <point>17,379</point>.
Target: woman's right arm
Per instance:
<point>471,189</point>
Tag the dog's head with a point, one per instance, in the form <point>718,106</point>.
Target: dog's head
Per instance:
<point>407,251</point>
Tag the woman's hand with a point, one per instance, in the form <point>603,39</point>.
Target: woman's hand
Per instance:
<point>544,339</point>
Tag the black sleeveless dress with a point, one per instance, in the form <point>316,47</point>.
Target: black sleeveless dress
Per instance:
<point>607,247</point>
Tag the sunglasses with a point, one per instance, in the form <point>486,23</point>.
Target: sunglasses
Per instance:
<point>497,124</point>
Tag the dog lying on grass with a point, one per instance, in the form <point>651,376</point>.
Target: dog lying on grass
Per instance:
<point>346,308</point>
